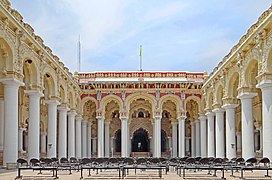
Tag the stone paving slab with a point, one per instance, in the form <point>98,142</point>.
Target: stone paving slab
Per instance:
<point>113,175</point>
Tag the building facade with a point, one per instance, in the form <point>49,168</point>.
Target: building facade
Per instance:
<point>47,111</point>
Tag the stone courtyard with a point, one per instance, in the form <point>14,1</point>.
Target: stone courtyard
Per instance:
<point>113,174</point>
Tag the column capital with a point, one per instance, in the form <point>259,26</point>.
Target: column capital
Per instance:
<point>99,117</point>
<point>174,123</point>
<point>43,133</point>
<point>218,110</point>
<point>22,129</point>
<point>90,123</point>
<point>52,102</point>
<point>78,118</point>
<point>12,82</point>
<point>34,93</point>
<point>181,117</point>
<point>247,95</point>
<point>209,114</point>
<point>157,117</point>
<point>63,108</point>
<point>107,123</point>
<point>202,117</point>
<point>72,113</point>
<point>192,123</point>
<point>84,122</point>
<point>230,106</point>
<point>124,118</point>
<point>264,84</point>
<point>197,121</point>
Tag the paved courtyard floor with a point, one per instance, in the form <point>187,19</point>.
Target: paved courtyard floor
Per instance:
<point>113,174</point>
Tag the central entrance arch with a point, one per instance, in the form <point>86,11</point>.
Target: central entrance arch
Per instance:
<point>140,141</point>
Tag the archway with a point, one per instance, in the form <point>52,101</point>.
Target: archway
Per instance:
<point>118,141</point>
<point>140,141</point>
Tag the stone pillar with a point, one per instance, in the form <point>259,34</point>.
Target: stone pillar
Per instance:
<point>62,143</point>
<point>210,117</point>
<point>170,146</point>
<point>11,87</point>
<point>100,137</point>
<point>157,136</point>
<point>256,140</point>
<point>94,145</point>
<point>84,138</point>
<point>107,139</point>
<point>174,139</point>
<point>43,142</point>
<point>78,136</point>
<point>247,124</point>
<point>89,140</point>
<point>219,133</point>
<point>203,136</point>
<point>71,134</point>
<point>2,119</point>
<point>20,139</point>
<point>266,87</point>
<point>129,140</point>
<point>124,136</point>
<point>197,138</point>
<point>34,123</point>
<point>52,128</point>
<point>230,130</point>
<point>239,142</point>
<point>193,143</point>
<point>153,139</point>
<point>181,133</point>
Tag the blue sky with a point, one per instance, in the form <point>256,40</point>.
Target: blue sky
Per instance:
<point>176,35</point>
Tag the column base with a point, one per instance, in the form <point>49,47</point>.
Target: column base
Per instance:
<point>11,166</point>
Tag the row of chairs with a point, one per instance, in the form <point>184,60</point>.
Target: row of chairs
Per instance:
<point>219,164</point>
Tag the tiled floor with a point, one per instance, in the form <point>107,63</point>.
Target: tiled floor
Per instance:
<point>113,174</point>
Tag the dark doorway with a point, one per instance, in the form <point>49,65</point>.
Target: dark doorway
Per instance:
<point>163,141</point>
<point>118,141</point>
<point>140,141</point>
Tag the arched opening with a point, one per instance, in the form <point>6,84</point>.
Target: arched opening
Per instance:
<point>140,141</point>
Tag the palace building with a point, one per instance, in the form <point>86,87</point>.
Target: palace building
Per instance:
<point>46,111</point>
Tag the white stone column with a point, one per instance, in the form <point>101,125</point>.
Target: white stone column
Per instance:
<point>247,124</point>
<point>239,142</point>
<point>78,136</point>
<point>52,128</point>
<point>210,117</point>
<point>100,137</point>
<point>71,134</point>
<point>89,140</point>
<point>203,136</point>
<point>153,139</point>
<point>219,133</point>
<point>20,139</point>
<point>94,145</point>
<point>170,146</point>
<point>2,119</point>
<point>43,142</point>
<point>124,136</point>
<point>181,133</point>
<point>197,138</point>
<point>112,146</point>
<point>34,123</point>
<point>157,136</point>
<point>62,142</point>
<point>266,87</point>
<point>193,143</point>
<point>107,139</point>
<point>11,87</point>
<point>230,130</point>
<point>174,139</point>
<point>129,141</point>
<point>84,138</point>
<point>256,140</point>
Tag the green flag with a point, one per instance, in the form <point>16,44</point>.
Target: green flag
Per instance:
<point>141,51</point>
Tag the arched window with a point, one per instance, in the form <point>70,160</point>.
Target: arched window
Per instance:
<point>140,114</point>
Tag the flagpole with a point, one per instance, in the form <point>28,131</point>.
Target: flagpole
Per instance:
<point>141,68</point>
